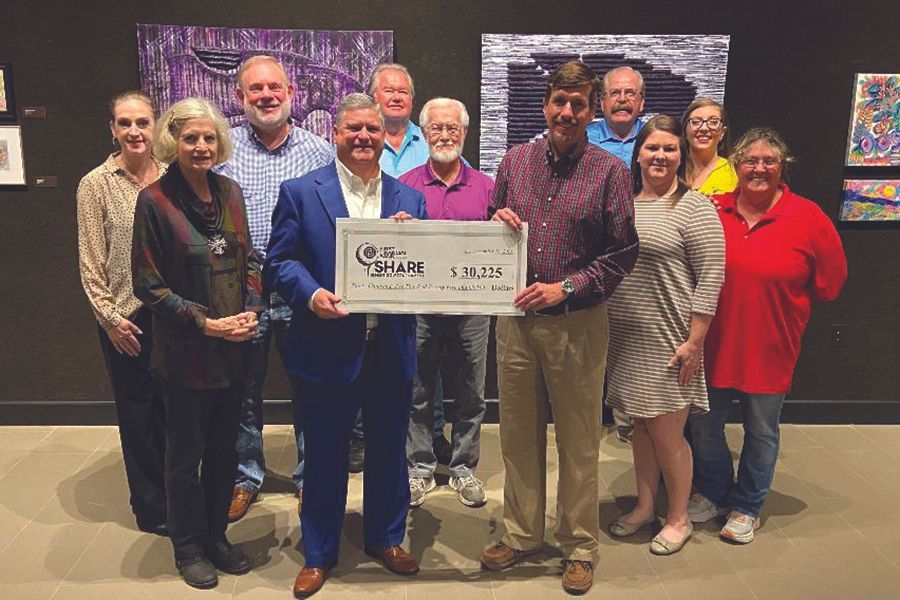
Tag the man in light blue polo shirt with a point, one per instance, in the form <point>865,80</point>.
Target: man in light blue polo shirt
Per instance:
<point>404,145</point>
<point>405,148</point>
<point>622,102</point>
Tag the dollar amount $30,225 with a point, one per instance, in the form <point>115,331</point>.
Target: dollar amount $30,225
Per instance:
<point>476,271</point>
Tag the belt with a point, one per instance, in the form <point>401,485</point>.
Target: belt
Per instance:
<point>371,334</point>
<point>568,306</point>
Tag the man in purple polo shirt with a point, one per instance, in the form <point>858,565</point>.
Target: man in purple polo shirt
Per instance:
<point>453,191</point>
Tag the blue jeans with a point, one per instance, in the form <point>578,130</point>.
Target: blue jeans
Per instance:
<point>466,338</point>
<point>251,459</point>
<point>713,468</point>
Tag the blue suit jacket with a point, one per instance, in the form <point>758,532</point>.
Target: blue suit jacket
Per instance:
<point>301,259</point>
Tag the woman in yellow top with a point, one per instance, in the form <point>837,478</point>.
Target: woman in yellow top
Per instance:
<point>705,129</point>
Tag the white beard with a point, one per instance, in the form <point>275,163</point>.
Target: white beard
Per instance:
<point>445,156</point>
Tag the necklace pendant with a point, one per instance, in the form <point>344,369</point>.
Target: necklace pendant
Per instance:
<point>217,244</point>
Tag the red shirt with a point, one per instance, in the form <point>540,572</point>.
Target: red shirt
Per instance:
<point>773,272</point>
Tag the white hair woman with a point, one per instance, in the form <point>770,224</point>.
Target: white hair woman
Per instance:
<point>194,266</point>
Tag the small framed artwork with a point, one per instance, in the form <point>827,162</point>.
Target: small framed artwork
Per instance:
<point>7,97</point>
<point>12,162</point>
<point>871,200</point>
<point>873,138</point>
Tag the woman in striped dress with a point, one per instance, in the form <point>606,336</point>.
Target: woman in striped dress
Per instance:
<point>658,320</point>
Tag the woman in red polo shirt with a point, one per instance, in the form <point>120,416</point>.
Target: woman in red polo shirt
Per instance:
<point>782,253</point>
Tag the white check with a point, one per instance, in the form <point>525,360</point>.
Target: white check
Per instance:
<point>429,267</point>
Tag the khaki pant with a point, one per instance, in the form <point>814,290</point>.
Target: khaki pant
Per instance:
<point>564,358</point>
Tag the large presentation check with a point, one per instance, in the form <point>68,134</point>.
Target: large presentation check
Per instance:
<point>429,267</point>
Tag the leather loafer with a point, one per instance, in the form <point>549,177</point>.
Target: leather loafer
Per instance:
<point>241,499</point>
<point>500,556</point>
<point>396,559</point>
<point>578,576</point>
<point>309,581</point>
<point>198,572</point>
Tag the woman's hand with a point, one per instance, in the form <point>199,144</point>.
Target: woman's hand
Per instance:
<point>123,337</point>
<point>688,357</point>
<point>236,328</point>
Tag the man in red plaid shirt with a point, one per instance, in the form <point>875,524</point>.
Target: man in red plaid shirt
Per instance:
<point>576,199</point>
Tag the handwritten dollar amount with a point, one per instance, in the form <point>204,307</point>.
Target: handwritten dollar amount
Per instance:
<point>476,272</point>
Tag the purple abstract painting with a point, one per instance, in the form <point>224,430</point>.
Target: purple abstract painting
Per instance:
<point>178,61</point>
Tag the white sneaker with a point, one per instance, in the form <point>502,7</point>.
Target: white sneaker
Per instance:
<point>740,527</point>
<point>469,489</point>
<point>418,487</point>
<point>701,509</point>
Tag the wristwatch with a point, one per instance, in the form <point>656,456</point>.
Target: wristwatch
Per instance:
<point>568,286</point>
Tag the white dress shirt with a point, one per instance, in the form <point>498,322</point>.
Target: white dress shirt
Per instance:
<point>363,201</point>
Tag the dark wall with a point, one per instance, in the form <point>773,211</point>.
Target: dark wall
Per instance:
<point>791,66</point>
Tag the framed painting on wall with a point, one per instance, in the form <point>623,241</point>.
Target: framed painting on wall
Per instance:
<point>871,200</point>
<point>676,69</point>
<point>7,97</point>
<point>12,163</point>
<point>873,139</point>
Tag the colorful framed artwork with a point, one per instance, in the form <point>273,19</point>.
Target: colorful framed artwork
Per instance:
<point>874,133</point>
<point>871,200</point>
<point>12,163</point>
<point>7,97</point>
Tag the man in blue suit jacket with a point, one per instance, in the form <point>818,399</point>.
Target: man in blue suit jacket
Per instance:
<point>340,361</point>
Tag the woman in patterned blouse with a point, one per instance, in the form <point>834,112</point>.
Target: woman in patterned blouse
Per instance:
<point>106,199</point>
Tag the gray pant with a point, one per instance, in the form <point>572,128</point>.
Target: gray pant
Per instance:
<point>466,337</point>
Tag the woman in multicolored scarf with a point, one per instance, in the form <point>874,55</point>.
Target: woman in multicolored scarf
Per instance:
<point>194,266</point>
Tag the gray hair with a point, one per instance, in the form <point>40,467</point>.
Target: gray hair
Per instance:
<point>373,78</point>
<point>624,69</point>
<point>425,118</point>
<point>762,134</point>
<point>172,121</point>
<point>259,58</point>
<point>357,101</point>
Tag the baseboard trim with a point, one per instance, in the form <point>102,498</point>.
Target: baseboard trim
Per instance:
<point>80,412</point>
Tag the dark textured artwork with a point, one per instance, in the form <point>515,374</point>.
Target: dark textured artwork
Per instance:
<point>514,69</point>
<point>179,61</point>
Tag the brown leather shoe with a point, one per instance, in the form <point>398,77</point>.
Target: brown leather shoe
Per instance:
<point>578,576</point>
<point>300,502</point>
<point>241,499</point>
<point>396,559</point>
<point>309,581</point>
<point>500,556</point>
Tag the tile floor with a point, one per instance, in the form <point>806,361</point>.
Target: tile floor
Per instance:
<point>831,530</point>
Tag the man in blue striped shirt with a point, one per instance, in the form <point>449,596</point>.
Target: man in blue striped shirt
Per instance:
<point>268,149</point>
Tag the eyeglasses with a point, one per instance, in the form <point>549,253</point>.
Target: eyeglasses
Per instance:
<point>629,93</point>
<point>752,162</point>
<point>452,129</point>
<point>711,122</point>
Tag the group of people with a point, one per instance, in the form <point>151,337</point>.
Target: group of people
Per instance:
<point>660,261</point>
